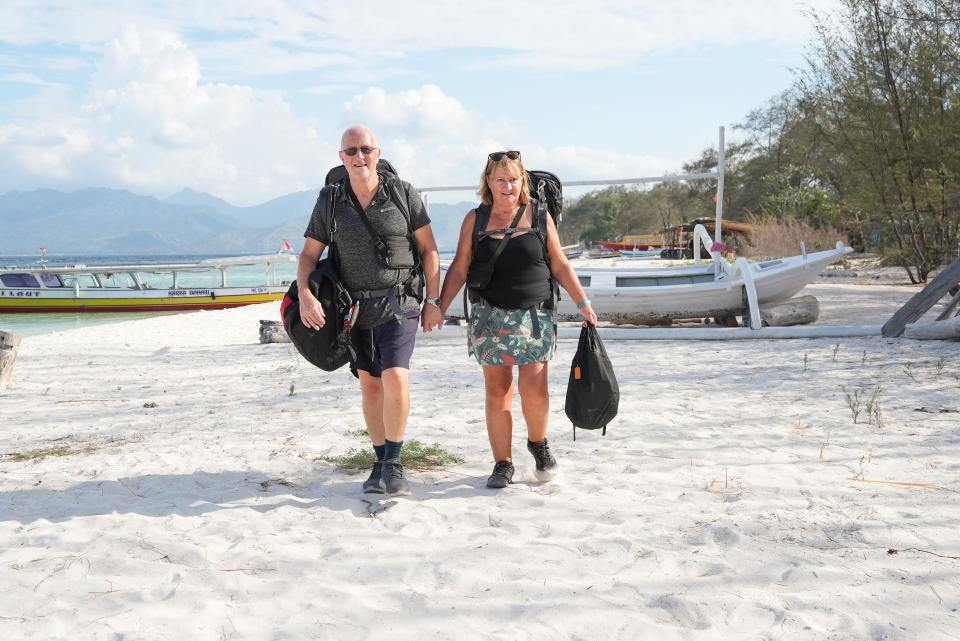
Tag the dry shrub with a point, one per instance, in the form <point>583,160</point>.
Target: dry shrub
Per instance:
<point>777,239</point>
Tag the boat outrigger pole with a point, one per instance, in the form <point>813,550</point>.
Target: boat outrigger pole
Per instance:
<point>721,156</point>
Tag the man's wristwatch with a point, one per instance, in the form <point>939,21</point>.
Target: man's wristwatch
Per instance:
<point>433,301</point>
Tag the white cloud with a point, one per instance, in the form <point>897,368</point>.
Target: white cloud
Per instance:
<point>434,141</point>
<point>326,90</point>
<point>23,78</point>
<point>423,112</point>
<point>64,63</point>
<point>149,124</point>
<point>164,109</point>
<point>289,36</point>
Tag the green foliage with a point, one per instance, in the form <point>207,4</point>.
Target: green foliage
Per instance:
<point>872,125</point>
<point>866,142</point>
<point>617,210</point>
<point>414,455</point>
<point>69,448</point>
<point>793,192</point>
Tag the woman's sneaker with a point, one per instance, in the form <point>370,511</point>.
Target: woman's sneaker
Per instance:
<point>394,478</point>
<point>546,464</point>
<point>374,484</point>
<point>502,475</point>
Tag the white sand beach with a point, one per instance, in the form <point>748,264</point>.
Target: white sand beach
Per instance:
<point>734,497</point>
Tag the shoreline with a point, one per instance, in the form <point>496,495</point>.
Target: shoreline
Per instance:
<point>859,271</point>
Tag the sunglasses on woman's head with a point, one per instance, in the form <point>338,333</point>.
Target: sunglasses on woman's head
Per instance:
<point>497,156</point>
<point>352,151</point>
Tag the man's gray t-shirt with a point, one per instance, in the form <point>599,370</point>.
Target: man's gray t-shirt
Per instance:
<point>360,266</point>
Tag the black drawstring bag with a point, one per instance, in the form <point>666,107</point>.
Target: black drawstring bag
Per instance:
<point>593,395</point>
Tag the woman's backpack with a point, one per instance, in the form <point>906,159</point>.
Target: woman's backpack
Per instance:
<point>593,394</point>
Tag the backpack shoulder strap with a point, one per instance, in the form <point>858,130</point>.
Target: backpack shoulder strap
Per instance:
<point>540,225</point>
<point>399,198</point>
<point>328,209</point>
<point>480,222</point>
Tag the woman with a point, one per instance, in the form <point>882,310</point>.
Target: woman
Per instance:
<point>511,322</point>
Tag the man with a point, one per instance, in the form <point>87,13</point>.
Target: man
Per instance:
<point>386,325</point>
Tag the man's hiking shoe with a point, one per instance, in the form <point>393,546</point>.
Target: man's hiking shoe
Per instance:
<point>374,484</point>
<point>502,475</point>
<point>546,464</point>
<point>394,479</point>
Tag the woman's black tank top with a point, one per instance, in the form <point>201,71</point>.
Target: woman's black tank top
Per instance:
<point>521,277</point>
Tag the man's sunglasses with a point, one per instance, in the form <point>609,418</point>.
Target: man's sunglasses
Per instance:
<point>497,156</point>
<point>352,151</point>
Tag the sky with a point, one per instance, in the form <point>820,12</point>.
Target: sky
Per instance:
<point>247,99</point>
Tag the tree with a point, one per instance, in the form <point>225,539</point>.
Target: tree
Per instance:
<point>880,93</point>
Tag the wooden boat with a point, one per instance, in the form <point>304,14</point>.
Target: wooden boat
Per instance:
<point>717,289</point>
<point>711,290</point>
<point>602,253</point>
<point>143,287</point>
<point>573,251</point>
<point>635,242</point>
<point>640,253</point>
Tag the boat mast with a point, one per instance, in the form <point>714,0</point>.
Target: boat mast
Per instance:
<point>720,172</point>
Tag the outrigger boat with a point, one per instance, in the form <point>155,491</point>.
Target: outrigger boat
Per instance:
<point>718,289</point>
<point>634,242</point>
<point>143,287</point>
<point>640,253</point>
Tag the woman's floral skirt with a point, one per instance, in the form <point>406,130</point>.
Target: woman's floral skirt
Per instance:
<point>507,336</point>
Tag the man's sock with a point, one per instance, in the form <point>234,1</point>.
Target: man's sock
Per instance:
<point>392,449</point>
<point>380,450</point>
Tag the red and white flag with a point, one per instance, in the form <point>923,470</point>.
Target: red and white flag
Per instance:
<point>43,249</point>
<point>286,246</point>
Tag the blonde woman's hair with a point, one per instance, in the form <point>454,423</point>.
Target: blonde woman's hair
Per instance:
<point>513,168</point>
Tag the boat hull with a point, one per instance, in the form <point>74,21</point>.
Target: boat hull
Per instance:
<point>659,294</point>
<point>143,287</point>
<point>173,300</point>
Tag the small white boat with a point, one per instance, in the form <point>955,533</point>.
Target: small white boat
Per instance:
<point>718,289</point>
<point>711,290</point>
<point>640,253</point>
<point>215,283</point>
<point>573,251</point>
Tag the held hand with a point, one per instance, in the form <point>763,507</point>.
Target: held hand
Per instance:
<point>431,317</point>
<point>311,312</point>
<point>588,314</point>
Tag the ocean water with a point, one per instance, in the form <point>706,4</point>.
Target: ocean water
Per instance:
<point>37,324</point>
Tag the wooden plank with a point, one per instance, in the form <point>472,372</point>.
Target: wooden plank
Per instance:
<point>923,300</point>
<point>942,330</point>
<point>952,305</point>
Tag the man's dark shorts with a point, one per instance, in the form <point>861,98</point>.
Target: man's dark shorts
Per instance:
<point>385,346</point>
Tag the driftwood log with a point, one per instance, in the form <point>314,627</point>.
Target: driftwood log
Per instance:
<point>923,300</point>
<point>9,341</point>
<point>800,310</point>
<point>273,332</point>
<point>942,329</point>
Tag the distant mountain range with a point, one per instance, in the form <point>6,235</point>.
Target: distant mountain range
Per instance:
<point>100,221</point>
